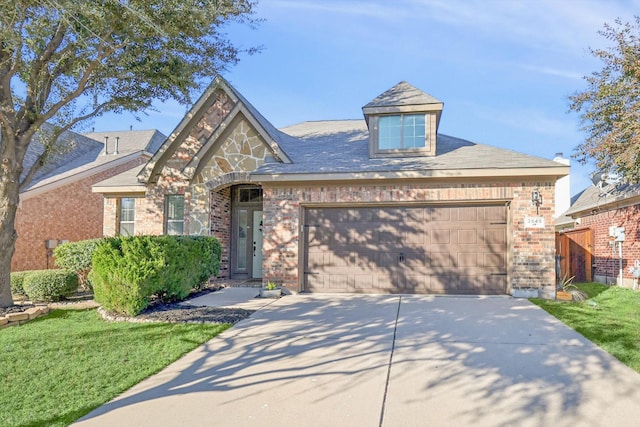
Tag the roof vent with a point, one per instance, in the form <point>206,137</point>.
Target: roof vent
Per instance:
<point>106,140</point>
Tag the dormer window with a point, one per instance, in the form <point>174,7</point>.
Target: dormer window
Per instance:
<point>403,122</point>
<point>401,131</point>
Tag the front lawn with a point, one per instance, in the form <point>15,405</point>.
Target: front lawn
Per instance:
<point>610,318</point>
<point>59,367</point>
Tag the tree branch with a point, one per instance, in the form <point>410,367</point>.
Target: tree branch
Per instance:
<point>43,157</point>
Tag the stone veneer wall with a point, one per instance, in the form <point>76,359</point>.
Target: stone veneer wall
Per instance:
<point>605,258</point>
<point>532,258</point>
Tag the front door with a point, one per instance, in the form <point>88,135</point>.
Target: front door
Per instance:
<point>246,235</point>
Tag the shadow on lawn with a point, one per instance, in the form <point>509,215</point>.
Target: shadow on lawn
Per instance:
<point>471,360</point>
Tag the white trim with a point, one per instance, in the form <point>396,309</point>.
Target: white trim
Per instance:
<point>448,173</point>
<point>80,175</point>
<point>120,190</point>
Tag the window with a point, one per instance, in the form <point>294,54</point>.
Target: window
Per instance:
<point>401,132</point>
<point>249,195</point>
<point>126,226</point>
<point>174,215</point>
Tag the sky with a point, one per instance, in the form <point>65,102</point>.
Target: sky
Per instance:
<point>503,68</point>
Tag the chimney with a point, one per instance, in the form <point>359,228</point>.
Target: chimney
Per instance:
<point>563,188</point>
<point>115,153</point>
<point>130,127</point>
<point>106,140</point>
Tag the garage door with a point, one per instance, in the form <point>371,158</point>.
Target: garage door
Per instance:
<point>430,249</point>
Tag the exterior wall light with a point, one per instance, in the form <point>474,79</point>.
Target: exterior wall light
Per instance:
<point>536,199</point>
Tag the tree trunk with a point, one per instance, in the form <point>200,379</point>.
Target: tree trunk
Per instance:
<point>9,197</point>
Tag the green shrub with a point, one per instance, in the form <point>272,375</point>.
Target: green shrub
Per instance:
<point>17,282</point>
<point>50,285</point>
<point>128,271</point>
<point>76,256</point>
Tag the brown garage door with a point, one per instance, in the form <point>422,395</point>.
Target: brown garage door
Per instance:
<point>432,249</point>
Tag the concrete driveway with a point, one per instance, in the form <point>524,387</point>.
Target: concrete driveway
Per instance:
<point>319,360</point>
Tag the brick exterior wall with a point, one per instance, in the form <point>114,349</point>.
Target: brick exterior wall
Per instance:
<point>69,212</point>
<point>532,250</point>
<point>221,225</point>
<point>605,256</point>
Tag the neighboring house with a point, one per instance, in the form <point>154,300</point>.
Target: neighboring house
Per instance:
<point>59,205</point>
<point>384,204</point>
<point>599,236</point>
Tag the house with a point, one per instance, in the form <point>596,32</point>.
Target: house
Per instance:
<point>599,238</point>
<point>58,205</point>
<point>381,204</point>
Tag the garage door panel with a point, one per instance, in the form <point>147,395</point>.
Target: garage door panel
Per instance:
<point>467,213</point>
<point>441,236</point>
<point>467,259</point>
<point>416,215</point>
<point>391,214</point>
<point>495,236</point>
<point>365,261</point>
<point>318,260</point>
<point>494,260</point>
<point>388,259</point>
<point>340,259</point>
<point>339,281</point>
<point>433,249</point>
<point>413,260</point>
<point>415,234</point>
<point>364,282</point>
<point>362,235</point>
<point>315,281</point>
<point>440,259</point>
<point>416,283</point>
<point>497,282</point>
<point>495,213</point>
<point>468,237</point>
<point>437,214</point>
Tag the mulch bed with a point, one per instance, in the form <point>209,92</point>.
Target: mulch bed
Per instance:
<point>157,311</point>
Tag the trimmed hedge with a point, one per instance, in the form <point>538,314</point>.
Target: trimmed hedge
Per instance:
<point>49,285</point>
<point>128,270</point>
<point>76,256</point>
<point>17,282</point>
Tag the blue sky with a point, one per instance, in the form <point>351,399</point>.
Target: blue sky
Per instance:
<point>503,68</point>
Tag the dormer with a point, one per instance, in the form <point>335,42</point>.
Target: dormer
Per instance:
<point>403,122</point>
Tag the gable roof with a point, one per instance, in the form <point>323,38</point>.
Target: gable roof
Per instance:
<point>339,148</point>
<point>269,133</point>
<point>403,98</point>
<point>593,199</point>
<point>76,146</point>
<point>400,95</point>
<point>87,157</point>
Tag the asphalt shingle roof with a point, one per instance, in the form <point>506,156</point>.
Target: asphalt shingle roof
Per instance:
<point>88,153</point>
<point>342,146</point>
<point>402,94</point>
<point>593,198</point>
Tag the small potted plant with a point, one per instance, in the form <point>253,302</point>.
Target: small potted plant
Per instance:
<point>567,291</point>
<point>270,290</point>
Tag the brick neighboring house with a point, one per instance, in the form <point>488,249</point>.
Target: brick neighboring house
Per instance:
<point>590,239</point>
<point>385,204</point>
<point>59,205</point>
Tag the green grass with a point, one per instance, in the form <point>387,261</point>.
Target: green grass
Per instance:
<point>57,368</point>
<point>613,322</point>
